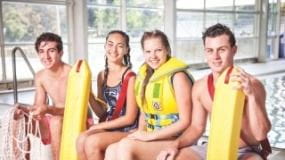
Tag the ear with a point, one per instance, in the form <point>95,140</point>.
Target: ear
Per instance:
<point>61,53</point>
<point>234,49</point>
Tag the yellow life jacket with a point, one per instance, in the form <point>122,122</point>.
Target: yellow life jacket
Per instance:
<point>159,105</point>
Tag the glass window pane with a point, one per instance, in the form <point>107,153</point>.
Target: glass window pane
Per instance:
<point>96,58</point>
<point>244,25</point>
<point>104,2</point>
<point>223,18</point>
<point>190,51</point>
<point>137,57</point>
<point>101,20</point>
<point>245,5</point>
<point>1,68</point>
<point>33,19</point>
<point>282,18</point>
<point>219,4</point>
<point>273,6</point>
<point>140,20</point>
<point>145,3</point>
<point>22,28</point>
<point>189,4</point>
<point>189,25</point>
<point>22,69</point>
<point>247,48</point>
<point>272,22</point>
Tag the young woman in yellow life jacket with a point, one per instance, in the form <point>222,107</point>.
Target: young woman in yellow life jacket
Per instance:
<point>163,94</point>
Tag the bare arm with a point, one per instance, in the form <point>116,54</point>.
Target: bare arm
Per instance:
<point>131,111</point>
<point>40,107</point>
<point>255,104</point>
<point>194,131</point>
<point>142,123</point>
<point>199,119</point>
<point>97,104</point>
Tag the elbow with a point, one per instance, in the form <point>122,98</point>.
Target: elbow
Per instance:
<point>200,130</point>
<point>129,120</point>
<point>185,123</point>
<point>262,132</point>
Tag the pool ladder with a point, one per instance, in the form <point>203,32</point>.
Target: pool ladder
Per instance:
<point>15,87</point>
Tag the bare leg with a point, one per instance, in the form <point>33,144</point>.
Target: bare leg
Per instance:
<point>250,156</point>
<point>96,144</point>
<point>80,143</point>
<point>129,149</point>
<point>55,130</point>
<point>111,152</point>
<point>187,153</point>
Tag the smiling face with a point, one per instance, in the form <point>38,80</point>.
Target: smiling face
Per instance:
<point>219,53</point>
<point>116,48</point>
<point>155,53</point>
<point>49,55</point>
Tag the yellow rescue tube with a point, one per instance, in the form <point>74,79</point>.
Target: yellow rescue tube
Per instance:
<point>226,119</point>
<point>75,112</point>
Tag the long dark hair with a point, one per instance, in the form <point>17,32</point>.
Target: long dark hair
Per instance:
<point>127,57</point>
<point>147,35</point>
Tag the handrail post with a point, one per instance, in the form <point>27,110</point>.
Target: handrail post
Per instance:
<point>15,86</point>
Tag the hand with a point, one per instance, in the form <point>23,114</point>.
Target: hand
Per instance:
<point>244,80</point>
<point>94,129</point>
<point>141,136</point>
<point>167,154</point>
<point>20,110</point>
<point>38,111</point>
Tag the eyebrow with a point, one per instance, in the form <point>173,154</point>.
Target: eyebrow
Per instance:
<point>109,41</point>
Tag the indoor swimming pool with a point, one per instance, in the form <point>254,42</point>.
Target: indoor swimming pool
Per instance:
<point>275,104</point>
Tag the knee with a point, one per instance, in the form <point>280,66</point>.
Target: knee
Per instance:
<point>80,141</point>
<point>111,151</point>
<point>126,146</point>
<point>93,143</point>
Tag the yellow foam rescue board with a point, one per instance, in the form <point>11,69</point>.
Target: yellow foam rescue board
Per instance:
<point>226,119</point>
<point>75,112</point>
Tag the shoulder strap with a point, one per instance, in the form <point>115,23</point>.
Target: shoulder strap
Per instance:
<point>211,87</point>
<point>122,96</point>
<point>265,148</point>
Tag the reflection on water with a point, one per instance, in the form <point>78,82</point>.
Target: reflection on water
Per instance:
<point>275,105</point>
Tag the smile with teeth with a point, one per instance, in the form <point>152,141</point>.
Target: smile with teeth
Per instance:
<point>154,61</point>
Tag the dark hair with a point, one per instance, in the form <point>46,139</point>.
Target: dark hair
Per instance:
<point>51,37</point>
<point>127,57</point>
<point>147,35</point>
<point>217,30</point>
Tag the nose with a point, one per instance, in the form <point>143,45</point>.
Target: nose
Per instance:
<point>153,54</point>
<point>113,48</point>
<point>46,55</point>
<point>216,55</point>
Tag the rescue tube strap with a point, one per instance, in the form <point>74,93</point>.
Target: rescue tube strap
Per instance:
<point>122,96</point>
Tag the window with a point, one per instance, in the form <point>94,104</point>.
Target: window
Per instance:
<point>193,17</point>
<point>132,16</point>
<point>189,4</point>
<point>245,5</point>
<point>23,23</point>
<point>219,5</point>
